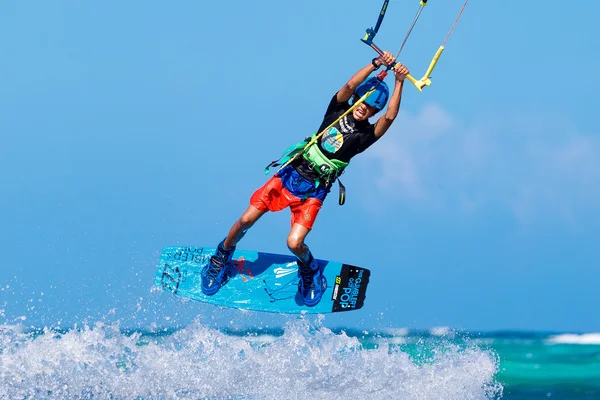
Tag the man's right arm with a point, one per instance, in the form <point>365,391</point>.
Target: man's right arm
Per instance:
<point>347,91</point>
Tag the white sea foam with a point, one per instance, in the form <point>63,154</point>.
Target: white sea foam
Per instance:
<point>440,331</point>
<point>570,338</point>
<point>396,331</point>
<point>307,361</point>
<point>19,328</point>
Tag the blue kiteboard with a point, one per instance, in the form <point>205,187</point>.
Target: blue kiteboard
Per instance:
<point>260,281</point>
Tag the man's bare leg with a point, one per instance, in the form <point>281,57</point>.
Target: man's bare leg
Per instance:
<point>295,242</point>
<point>241,226</point>
<point>311,284</point>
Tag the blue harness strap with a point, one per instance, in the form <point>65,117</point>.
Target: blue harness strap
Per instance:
<point>299,186</point>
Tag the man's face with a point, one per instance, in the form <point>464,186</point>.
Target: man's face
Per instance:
<point>363,112</point>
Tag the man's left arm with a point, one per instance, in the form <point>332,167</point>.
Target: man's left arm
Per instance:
<point>385,121</point>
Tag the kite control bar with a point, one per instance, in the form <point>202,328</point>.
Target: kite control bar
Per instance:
<point>383,74</point>
<point>371,32</point>
<point>426,79</point>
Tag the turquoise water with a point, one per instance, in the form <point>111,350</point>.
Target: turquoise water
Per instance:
<point>557,366</point>
<point>532,365</point>
<point>302,360</point>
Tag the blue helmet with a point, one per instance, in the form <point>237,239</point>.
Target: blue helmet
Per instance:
<point>379,97</point>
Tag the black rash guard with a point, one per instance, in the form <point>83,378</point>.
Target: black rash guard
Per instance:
<point>342,141</point>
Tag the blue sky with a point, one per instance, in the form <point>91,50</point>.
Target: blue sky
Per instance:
<point>129,126</point>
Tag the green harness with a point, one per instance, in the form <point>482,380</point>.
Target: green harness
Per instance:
<point>329,170</point>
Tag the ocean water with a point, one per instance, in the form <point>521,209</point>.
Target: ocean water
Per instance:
<point>302,360</point>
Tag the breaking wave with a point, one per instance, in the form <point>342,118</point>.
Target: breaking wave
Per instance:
<point>305,360</point>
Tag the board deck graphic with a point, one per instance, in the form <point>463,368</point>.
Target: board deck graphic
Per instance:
<point>261,281</point>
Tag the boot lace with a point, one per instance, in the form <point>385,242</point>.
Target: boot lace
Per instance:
<point>217,263</point>
<point>306,274</point>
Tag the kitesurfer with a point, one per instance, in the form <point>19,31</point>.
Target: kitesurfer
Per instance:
<point>303,184</point>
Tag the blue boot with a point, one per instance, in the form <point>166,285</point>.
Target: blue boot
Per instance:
<point>216,273</point>
<point>312,282</point>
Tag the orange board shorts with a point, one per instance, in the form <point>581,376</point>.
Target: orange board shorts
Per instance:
<point>273,196</point>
